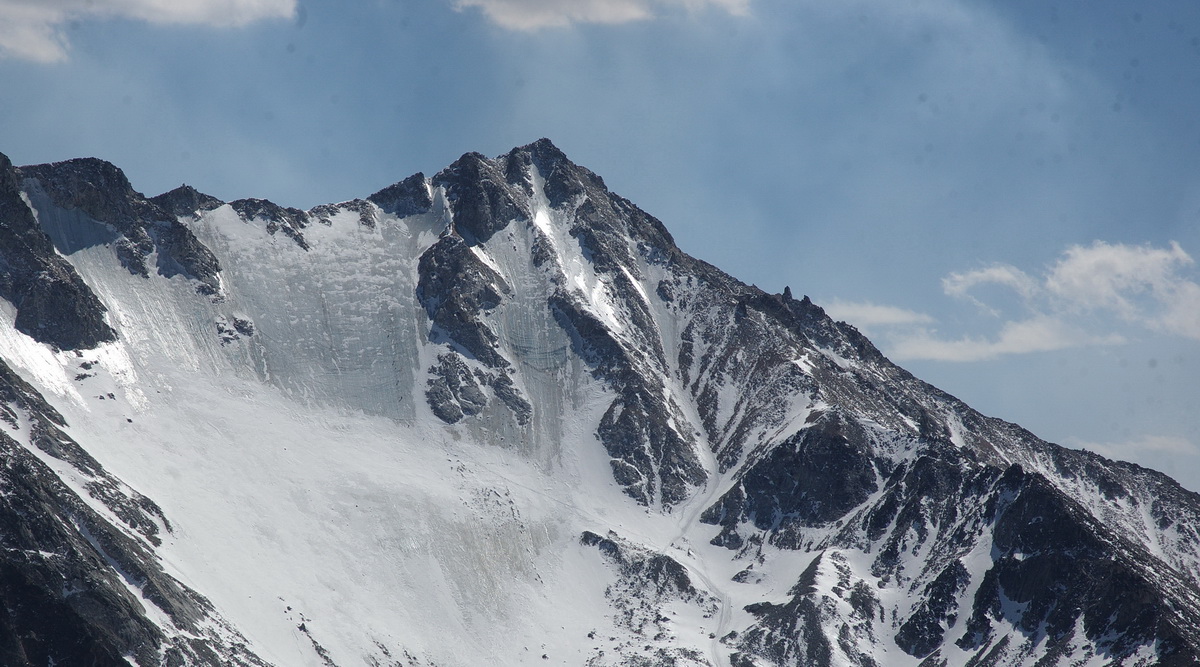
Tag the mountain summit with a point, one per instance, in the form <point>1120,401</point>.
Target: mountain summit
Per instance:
<point>496,416</point>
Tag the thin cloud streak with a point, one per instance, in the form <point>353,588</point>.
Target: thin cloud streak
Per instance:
<point>33,29</point>
<point>528,15</point>
<point>1038,334</point>
<point>866,315</point>
<point>1137,447</point>
<point>960,284</point>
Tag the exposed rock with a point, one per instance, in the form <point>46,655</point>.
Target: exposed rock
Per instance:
<point>408,197</point>
<point>811,479</point>
<point>53,304</point>
<point>325,212</point>
<point>646,582</point>
<point>453,390</point>
<point>290,221</point>
<point>481,199</point>
<point>139,226</point>
<point>455,286</point>
<point>185,201</point>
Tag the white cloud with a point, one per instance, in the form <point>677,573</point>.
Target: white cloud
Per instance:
<point>1140,284</point>
<point>1105,276</point>
<point>1181,313</point>
<point>1038,334</point>
<point>1137,447</point>
<point>959,284</point>
<point>536,14</point>
<point>32,29</point>
<point>1079,300</point>
<point>31,33</point>
<point>867,315</point>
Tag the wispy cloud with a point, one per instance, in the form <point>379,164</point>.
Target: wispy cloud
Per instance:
<point>1140,284</point>
<point>537,14</point>
<point>1041,333</point>
<point>960,284</point>
<point>1135,448</point>
<point>1077,301</point>
<point>33,29</point>
<point>868,315</point>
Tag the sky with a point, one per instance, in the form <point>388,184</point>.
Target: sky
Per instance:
<point>1004,196</point>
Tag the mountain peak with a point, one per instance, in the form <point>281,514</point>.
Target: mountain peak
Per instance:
<point>95,186</point>
<point>53,304</point>
<point>481,196</point>
<point>544,154</point>
<point>114,213</point>
<point>503,392</point>
<point>185,201</point>
<point>407,197</point>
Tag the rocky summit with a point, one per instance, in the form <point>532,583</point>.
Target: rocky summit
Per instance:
<point>496,416</point>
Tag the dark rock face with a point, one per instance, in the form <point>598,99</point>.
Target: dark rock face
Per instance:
<point>923,632</point>
<point>480,197</point>
<point>325,212</point>
<point>809,480</point>
<point>653,455</point>
<point>99,189</point>
<point>1053,575</point>
<point>21,401</point>
<point>231,329</point>
<point>185,200</point>
<point>653,450</point>
<point>181,253</point>
<point>290,221</point>
<point>67,572</point>
<point>53,303</point>
<point>662,572</point>
<point>502,384</point>
<point>138,226</point>
<point>1057,564</point>
<point>453,391</point>
<point>408,197</point>
<point>455,286</point>
<point>638,433</point>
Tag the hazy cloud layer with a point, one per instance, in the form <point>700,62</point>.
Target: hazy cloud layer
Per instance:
<point>33,29</point>
<point>535,14</point>
<point>1041,333</point>
<point>1140,284</point>
<point>1086,297</point>
<point>873,315</point>
<point>1136,448</point>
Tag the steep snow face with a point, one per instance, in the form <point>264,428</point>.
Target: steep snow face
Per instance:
<point>497,417</point>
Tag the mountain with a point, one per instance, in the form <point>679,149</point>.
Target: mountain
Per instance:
<point>496,416</point>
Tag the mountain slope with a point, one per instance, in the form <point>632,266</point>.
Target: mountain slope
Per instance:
<point>497,416</point>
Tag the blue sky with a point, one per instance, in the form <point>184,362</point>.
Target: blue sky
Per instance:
<point>1004,195</point>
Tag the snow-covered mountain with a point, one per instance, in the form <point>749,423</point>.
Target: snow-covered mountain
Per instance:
<point>496,416</point>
